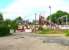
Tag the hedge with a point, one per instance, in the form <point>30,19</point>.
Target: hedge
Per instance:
<point>4,30</point>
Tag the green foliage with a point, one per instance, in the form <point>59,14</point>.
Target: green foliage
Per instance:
<point>45,31</point>
<point>19,20</point>
<point>8,21</point>
<point>1,18</point>
<point>4,30</point>
<point>55,17</point>
<point>33,22</point>
<point>51,31</point>
<point>13,25</point>
<point>66,32</point>
<point>40,28</point>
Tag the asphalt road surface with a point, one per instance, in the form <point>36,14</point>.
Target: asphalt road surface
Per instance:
<point>47,39</point>
<point>30,41</point>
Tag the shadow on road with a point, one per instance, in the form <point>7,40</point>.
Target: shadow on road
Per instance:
<point>57,40</point>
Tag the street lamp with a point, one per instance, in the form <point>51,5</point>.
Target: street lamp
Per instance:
<point>50,9</point>
<point>50,14</point>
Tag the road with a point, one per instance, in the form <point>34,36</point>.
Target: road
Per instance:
<point>30,41</point>
<point>48,39</point>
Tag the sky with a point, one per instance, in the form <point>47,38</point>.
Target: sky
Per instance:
<point>27,8</point>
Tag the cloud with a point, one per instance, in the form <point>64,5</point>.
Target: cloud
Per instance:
<point>27,8</point>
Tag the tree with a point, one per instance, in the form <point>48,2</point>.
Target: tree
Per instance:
<point>33,22</point>
<point>1,18</point>
<point>19,19</point>
<point>11,24</point>
<point>14,25</point>
<point>8,21</point>
<point>56,17</point>
<point>4,29</point>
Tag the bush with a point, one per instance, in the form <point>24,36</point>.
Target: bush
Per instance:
<point>44,31</point>
<point>4,30</point>
<point>40,28</point>
<point>66,32</point>
<point>47,31</point>
<point>13,25</point>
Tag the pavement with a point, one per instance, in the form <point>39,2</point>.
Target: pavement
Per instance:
<point>30,41</point>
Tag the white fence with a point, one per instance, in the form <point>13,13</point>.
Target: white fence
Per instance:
<point>63,26</point>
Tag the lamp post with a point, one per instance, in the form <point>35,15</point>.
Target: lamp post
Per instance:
<point>50,9</point>
<point>50,14</point>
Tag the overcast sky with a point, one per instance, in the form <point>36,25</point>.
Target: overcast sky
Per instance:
<point>27,8</point>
